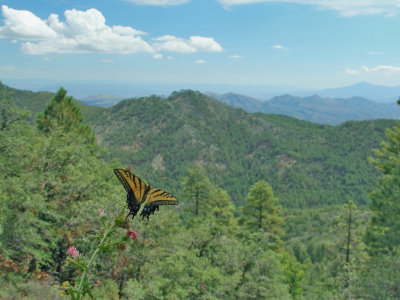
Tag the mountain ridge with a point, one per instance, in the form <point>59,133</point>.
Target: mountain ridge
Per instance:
<point>315,108</point>
<point>377,93</point>
<point>307,164</point>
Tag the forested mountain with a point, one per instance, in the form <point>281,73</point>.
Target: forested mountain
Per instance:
<point>36,102</point>
<point>315,108</point>
<point>307,164</point>
<point>63,228</point>
<point>247,103</point>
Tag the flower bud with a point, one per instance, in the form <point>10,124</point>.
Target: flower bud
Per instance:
<point>72,251</point>
<point>132,234</point>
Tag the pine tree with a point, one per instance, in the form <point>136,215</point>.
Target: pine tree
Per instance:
<point>63,113</point>
<point>262,213</point>
<point>10,113</point>
<point>197,190</point>
<point>384,226</point>
<point>351,250</point>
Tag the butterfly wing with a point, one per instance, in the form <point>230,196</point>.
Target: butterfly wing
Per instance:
<point>155,198</point>
<point>136,190</point>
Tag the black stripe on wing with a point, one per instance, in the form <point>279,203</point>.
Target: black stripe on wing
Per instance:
<point>134,186</point>
<point>120,173</point>
<point>160,197</point>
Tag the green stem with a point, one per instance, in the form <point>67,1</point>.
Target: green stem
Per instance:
<point>80,288</point>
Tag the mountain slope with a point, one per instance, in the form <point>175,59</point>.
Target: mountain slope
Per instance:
<point>307,164</point>
<point>239,101</point>
<point>37,101</point>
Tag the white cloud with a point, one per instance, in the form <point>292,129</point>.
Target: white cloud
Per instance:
<point>200,61</point>
<point>157,56</point>
<point>346,8</point>
<point>201,43</point>
<point>194,44</point>
<point>280,47</point>
<point>235,56</point>
<point>159,2</point>
<point>382,69</point>
<point>87,32</point>
<point>82,31</point>
<point>108,61</point>
<point>24,25</point>
<point>173,44</point>
<point>125,30</point>
<point>351,72</point>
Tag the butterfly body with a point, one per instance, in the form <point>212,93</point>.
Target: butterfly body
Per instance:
<point>138,192</point>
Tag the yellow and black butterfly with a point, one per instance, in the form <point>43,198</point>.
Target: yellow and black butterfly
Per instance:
<point>138,192</point>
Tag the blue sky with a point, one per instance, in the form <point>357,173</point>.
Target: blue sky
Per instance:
<point>307,44</point>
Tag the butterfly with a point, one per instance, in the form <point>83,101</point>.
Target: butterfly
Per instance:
<point>138,192</point>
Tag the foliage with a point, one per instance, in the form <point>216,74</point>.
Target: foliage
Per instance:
<point>261,214</point>
<point>197,191</point>
<point>52,184</point>
<point>63,115</point>
<point>382,234</point>
<point>49,185</point>
<point>381,278</point>
<point>107,241</point>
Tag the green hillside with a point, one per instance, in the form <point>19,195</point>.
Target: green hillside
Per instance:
<point>36,101</point>
<point>307,164</point>
<point>57,190</point>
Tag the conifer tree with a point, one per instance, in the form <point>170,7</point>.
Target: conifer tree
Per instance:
<point>197,191</point>
<point>62,113</point>
<point>351,250</point>
<point>262,213</point>
<point>10,113</point>
<point>384,226</point>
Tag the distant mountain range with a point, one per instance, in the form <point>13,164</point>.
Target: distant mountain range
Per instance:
<point>378,93</point>
<point>315,108</point>
<point>318,109</point>
<point>81,89</point>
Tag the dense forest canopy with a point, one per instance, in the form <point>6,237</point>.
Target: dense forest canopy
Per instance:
<point>271,207</point>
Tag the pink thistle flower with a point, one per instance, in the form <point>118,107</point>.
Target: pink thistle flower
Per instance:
<point>132,234</point>
<point>129,169</point>
<point>72,251</point>
<point>100,212</point>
